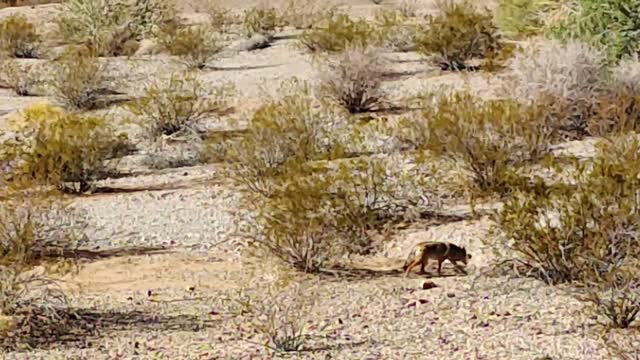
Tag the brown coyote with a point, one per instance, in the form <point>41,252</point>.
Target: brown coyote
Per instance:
<point>441,251</point>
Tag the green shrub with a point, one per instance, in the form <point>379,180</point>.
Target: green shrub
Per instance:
<point>77,80</point>
<point>521,18</point>
<point>196,45</point>
<point>337,34</point>
<point>585,233</point>
<point>65,150</point>
<point>611,25</point>
<point>178,104</point>
<point>18,37</point>
<point>458,34</point>
<point>489,139</point>
<point>107,26</point>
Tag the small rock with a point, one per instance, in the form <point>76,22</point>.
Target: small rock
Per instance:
<point>428,285</point>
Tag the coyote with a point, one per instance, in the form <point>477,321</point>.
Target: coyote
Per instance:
<point>441,251</point>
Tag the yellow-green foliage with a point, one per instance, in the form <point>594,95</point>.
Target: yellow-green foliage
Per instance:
<point>489,139</point>
<point>178,104</point>
<point>458,34</point>
<point>77,79</point>
<point>521,18</point>
<point>107,26</point>
<point>339,33</point>
<point>303,14</point>
<point>264,21</point>
<point>196,45</point>
<point>66,150</point>
<point>18,37</point>
<point>586,233</point>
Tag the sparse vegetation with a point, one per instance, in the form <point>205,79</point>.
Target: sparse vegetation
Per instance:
<point>18,38</point>
<point>522,18</point>
<point>458,34</point>
<point>65,150</point>
<point>303,14</point>
<point>262,20</point>
<point>108,27</point>
<point>17,77</point>
<point>354,78</point>
<point>178,104</point>
<point>196,45</point>
<point>337,34</point>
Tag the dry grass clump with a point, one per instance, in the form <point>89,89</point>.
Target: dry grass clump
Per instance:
<point>196,45</point>
<point>109,27</point>
<point>395,30</point>
<point>586,233</point>
<point>220,18</point>
<point>490,139</point>
<point>18,37</point>
<point>337,34</point>
<point>35,229</point>
<point>458,34</point>
<point>178,103</point>
<point>522,18</point>
<point>353,79</point>
<point>610,25</point>
<point>262,20</point>
<point>78,79</point>
<point>65,150</point>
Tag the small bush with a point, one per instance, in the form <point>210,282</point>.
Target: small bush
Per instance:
<point>196,45</point>
<point>178,104</point>
<point>65,150</point>
<point>394,31</point>
<point>18,37</point>
<point>220,18</point>
<point>337,34</point>
<point>263,21</point>
<point>354,79</point>
<point>77,80</point>
<point>573,75</point>
<point>107,26</point>
<point>610,25</point>
<point>490,139</point>
<point>458,35</point>
<point>615,112</point>
<point>521,18</point>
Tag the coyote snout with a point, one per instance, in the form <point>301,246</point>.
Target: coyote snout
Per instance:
<point>441,251</point>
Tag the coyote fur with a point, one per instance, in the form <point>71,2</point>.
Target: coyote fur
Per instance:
<point>441,251</point>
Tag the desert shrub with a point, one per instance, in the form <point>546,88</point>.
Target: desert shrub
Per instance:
<point>408,8</point>
<point>490,139</point>
<point>610,25</point>
<point>303,14</point>
<point>77,80</point>
<point>220,18</point>
<point>18,37</point>
<point>353,79</point>
<point>66,150</point>
<point>196,45</point>
<point>521,18</point>
<point>394,31</point>
<point>21,78</point>
<point>615,112</point>
<point>106,26</point>
<point>337,34</point>
<point>262,20</point>
<point>573,74</point>
<point>458,34</point>
<point>585,233</point>
<point>178,103</point>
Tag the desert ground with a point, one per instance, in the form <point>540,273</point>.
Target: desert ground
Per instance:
<point>177,302</point>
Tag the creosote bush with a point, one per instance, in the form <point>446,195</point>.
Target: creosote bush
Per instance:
<point>18,37</point>
<point>65,150</point>
<point>109,26</point>
<point>610,25</point>
<point>78,79</point>
<point>353,80</point>
<point>458,34</point>
<point>490,139</point>
<point>337,34</point>
<point>585,233</point>
<point>178,103</point>
<point>196,45</point>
